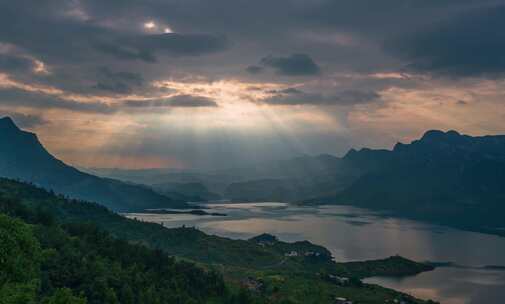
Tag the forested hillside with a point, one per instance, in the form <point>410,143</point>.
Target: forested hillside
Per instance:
<point>43,262</point>
<point>78,252</point>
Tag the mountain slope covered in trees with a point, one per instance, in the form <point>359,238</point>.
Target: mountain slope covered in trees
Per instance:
<point>78,251</point>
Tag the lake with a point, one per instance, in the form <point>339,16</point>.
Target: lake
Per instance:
<point>359,234</point>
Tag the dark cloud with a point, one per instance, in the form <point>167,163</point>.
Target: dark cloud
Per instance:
<point>25,120</point>
<point>113,87</point>
<point>13,98</point>
<point>18,98</point>
<point>378,18</point>
<point>124,52</point>
<point>182,44</point>
<point>293,96</point>
<point>293,65</point>
<point>10,63</point>
<point>145,47</point>
<point>50,32</point>
<point>102,31</point>
<point>254,69</point>
<point>471,44</point>
<point>134,78</point>
<point>178,101</point>
<point>118,82</point>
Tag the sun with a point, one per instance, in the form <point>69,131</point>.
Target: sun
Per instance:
<point>150,25</point>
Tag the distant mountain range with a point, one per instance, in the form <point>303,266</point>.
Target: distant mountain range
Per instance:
<point>285,180</point>
<point>444,177</point>
<point>291,180</point>
<point>23,157</point>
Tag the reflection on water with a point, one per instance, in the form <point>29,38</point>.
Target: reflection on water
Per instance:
<point>452,285</point>
<point>358,234</point>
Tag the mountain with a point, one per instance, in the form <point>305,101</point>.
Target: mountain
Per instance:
<point>444,177</point>
<point>193,191</point>
<point>102,257</point>
<point>164,179</point>
<point>284,180</point>
<point>291,180</point>
<point>23,157</point>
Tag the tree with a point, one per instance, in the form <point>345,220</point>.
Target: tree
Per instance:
<point>18,293</point>
<point>127,296</point>
<point>63,296</point>
<point>20,257</point>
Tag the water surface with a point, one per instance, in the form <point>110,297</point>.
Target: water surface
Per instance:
<point>360,234</point>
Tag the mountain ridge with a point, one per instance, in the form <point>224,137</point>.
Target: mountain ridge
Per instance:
<point>23,157</point>
<point>443,177</point>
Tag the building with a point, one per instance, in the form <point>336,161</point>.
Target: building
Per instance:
<point>340,300</point>
<point>253,284</point>
<point>339,280</point>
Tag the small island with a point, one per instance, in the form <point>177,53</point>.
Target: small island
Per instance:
<point>198,212</point>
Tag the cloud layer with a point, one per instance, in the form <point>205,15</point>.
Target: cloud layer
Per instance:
<point>219,78</point>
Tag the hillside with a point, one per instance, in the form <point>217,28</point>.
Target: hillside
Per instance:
<point>46,263</point>
<point>444,177</point>
<point>262,271</point>
<point>23,157</point>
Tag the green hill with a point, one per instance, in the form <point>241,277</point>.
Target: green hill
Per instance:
<point>83,251</point>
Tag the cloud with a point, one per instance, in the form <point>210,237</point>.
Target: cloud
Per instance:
<point>293,96</point>
<point>469,45</point>
<point>144,47</point>
<point>135,78</point>
<point>125,52</point>
<point>47,31</point>
<point>12,63</point>
<point>99,54</point>
<point>118,82</point>
<point>25,120</point>
<point>293,65</point>
<point>113,87</point>
<point>254,69</point>
<point>177,101</point>
<point>18,98</point>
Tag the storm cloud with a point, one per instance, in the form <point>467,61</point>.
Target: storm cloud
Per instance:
<point>471,44</point>
<point>145,47</point>
<point>118,82</point>
<point>294,73</point>
<point>15,63</point>
<point>293,65</point>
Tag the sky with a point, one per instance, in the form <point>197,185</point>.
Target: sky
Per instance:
<point>198,84</point>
